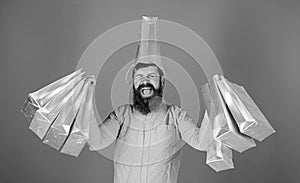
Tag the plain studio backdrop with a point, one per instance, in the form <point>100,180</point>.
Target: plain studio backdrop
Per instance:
<point>256,42</point>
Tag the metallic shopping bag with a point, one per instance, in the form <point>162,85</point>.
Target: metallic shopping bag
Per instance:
<point>60,128</point>
<point>247,115</point>
<point>44,116</point>
<point>41,97</point>
<point>80,130</point>
<point>206,131</point>
<point>219,157</point>
<point>224,127</point>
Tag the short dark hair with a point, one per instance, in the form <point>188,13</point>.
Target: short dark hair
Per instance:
<point>142,65</point>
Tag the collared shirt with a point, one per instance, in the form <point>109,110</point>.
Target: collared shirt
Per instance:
<point>147,148</point>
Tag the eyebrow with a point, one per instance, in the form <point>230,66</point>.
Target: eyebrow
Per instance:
<point>147,74</point>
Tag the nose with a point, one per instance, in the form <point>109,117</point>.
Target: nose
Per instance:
<point>145,81</point>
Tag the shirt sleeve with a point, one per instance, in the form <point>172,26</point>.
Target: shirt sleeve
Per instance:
<point>102,135</point>
<point>197,137</point>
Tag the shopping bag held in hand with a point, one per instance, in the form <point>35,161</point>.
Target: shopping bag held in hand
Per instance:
<point>80,130</point>
<point>44,116</point>
<point>219,157</point>
<point>247,115</point>
<point>61,126</point>
<point>224,127</point>
<point>41,97</point>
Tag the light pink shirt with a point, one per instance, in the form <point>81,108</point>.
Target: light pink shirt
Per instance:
<point>147,147</point>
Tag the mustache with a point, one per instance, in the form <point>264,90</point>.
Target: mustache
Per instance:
<point>146,85</point>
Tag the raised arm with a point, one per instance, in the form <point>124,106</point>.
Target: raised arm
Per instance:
<point>197,137</point>
<point>102,135</point>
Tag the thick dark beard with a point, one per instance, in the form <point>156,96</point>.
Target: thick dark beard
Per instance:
<point>147,105</point>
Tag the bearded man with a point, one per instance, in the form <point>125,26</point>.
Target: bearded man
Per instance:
<point>148,134</point>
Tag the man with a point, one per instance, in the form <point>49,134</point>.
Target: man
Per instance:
<point>148,135</point>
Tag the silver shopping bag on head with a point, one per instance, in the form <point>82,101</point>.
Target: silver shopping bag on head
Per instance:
<point>224,127</point>
<point>41,97</point>
<point>61,126</point>
<point>80,130</point>
<point>219,157</point>
<point>43,117</point>
<point>247,115</point>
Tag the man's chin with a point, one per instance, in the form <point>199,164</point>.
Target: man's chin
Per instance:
<point>146,102</point>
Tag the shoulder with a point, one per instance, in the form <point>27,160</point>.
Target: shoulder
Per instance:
<point>122,111</point>
<point>122,108</point>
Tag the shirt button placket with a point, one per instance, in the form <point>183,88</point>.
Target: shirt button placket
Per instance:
<point>142,174</point>
<point>146,149</point>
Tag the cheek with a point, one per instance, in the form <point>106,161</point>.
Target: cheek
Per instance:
<point>136,84</point>
<point>155,84</point>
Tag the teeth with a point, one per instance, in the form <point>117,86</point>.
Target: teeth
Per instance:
<point>146,91</point>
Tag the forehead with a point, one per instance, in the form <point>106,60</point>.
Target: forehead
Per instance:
<point>146,70</point>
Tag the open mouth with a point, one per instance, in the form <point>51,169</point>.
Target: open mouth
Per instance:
<point>146,91</point>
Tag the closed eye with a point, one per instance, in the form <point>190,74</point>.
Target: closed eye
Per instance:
<point>153,76</point>
<point>138,76</point>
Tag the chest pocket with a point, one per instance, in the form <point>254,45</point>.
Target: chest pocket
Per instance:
<point>166,128</point>
<point>165,140</point>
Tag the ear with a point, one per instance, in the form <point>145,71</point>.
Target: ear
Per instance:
<point>162,78</point>
<point>129,75</point>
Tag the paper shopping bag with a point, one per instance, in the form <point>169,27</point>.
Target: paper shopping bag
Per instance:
<point>61,126</point>
<point>80,130</point>
<point>39,98</point>
<point>44,116</point>
<point>224,127</point>
<point>247,115</point>
<point>219,157</point>
<point>206,132</point>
